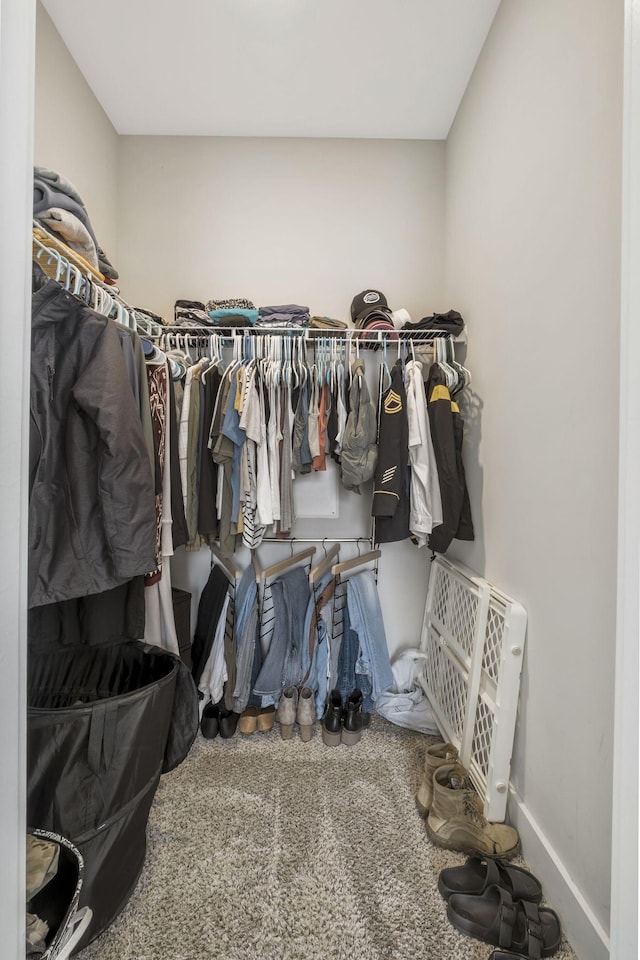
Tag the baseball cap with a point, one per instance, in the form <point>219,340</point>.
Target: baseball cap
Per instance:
<point>367,302</point>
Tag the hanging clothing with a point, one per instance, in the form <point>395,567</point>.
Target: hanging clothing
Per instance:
<point>365,618</point>
<point>274,437</point>
<point>193,434</point>
<point>210,607</point>
<point>301,459</point>
<point>114,615</point>
<point>320,461</point>
<point>426,503</point>
<point>160,627</point>
<point>183,437</point>
<point>214,673</point>
<point>250,421</point>
<point>179,534</point>
<point>391,502</point>
<point>359,451</point>
<point>283,660</point>
<point>447,429</point>
<point>91,512</point>
<point>208,473</point>
<point>157,380</point>
<point>286,473</point>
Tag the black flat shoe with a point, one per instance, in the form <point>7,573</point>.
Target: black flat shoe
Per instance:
<point>478,873</point>
<point>209,725</point>
<point>518,927</point>
<point>228,722</point>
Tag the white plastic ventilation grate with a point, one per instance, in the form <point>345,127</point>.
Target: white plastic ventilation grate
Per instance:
<point>473,638</point>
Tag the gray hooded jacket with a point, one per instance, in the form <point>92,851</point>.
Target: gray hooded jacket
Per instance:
<point>359,450</point>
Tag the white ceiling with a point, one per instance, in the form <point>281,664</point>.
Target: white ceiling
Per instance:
<point>277,68</point>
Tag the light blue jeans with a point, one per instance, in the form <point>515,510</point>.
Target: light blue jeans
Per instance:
<point>282,665</point>
<point>365,618</point>
<point>317,666</point>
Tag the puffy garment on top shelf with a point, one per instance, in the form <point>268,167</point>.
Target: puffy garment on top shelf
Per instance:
<point>91,507</point>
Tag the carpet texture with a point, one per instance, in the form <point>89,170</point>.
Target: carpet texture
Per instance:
<point>264,849</point>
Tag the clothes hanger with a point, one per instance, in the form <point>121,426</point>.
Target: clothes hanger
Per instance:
<point>227,564</point>
<point>283,565</point>
<point>349,565</point>
<point>451,378</point>
<point>385,365</point>
<point>318,571</point>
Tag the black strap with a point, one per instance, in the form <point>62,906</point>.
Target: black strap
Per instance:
<point>534,930</point>
<point>507,914</point>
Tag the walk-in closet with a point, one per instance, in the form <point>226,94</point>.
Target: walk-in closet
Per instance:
<point>320,479</point>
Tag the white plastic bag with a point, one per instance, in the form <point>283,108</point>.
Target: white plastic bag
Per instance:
<point>406,704</point>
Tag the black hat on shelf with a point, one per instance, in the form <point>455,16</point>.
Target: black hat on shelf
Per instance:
<point>367,304</point>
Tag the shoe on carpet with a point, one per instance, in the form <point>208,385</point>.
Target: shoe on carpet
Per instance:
<point>306,713</point>
<point>287,711</point>
<point>520,926</point>
<point>436,756</point>
<point>266,718</point>
<point>209,726</point>
<point>248,722</point>
<point>478,873</point>
<point>456,820</point>
<point>332,720</point>
<point>228,722</point>
<point>353,722</point>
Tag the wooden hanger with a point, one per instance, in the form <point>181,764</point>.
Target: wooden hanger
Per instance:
<point>324,564</point>
<point>283,565</point>
<point>347,565</point>
<point>227,564</point>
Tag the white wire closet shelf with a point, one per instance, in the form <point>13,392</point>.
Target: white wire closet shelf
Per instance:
<point>364,338</point>
<point>473,636</point>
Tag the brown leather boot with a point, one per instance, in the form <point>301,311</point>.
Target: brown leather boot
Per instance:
<point>437,754</point>
<point>456,821</point>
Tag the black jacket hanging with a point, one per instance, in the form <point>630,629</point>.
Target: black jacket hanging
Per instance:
<point>91,508</point>
<point>391,503</point>
<point>447,427</point>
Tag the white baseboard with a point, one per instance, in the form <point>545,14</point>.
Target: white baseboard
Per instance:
<point>582,929</point>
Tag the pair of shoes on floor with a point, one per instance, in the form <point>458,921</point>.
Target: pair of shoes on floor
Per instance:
<point>297,708</point>
<point>216,719</point>
<point>344,723</point>
<point>455,820</point>
<point>499,903</point>
<point>256,718</point>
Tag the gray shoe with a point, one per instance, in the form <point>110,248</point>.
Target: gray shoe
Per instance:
<point>306,715</point>
<point>287,708</point>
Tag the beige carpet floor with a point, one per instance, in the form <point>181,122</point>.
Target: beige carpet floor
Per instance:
<point>264,849</point>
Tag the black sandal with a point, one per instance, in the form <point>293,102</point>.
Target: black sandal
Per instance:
<point>522,927</point>
<point>478,873</point>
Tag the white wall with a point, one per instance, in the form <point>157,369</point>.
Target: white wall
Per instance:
<point>533,171</point>
<point>279,221</point>
<point>73,135</point>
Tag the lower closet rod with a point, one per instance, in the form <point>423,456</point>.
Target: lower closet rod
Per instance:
<point>316,540</point>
